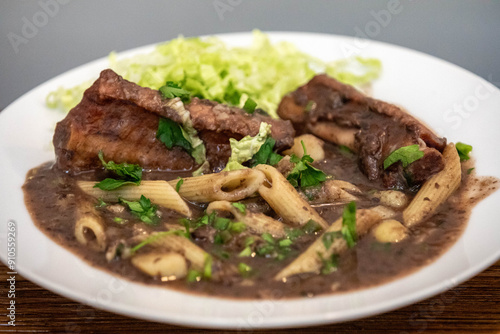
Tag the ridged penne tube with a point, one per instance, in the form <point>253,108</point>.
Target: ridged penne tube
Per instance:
<point>392,198</point>
<point>193,253</point>
<point>285,200</point>
<point>166,265</point>
<point>159,192</point>
<point>90,229</point>
<point>336,191</point>
<point>311,260</point>
<point>390,230</point>
<point>256,222</point>
<point>436,189</point>
<point>314,147</point>
<point>224,186</point>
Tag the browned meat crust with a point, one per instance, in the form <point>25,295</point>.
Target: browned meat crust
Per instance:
<point>121,119</point>
<point>373,128</point>
<point>210,115</point>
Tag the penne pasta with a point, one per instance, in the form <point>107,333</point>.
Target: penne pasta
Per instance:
<point>392,198</point>
<point>169,266</point>
<point>285,200</point>
<point>193,253</point>
<point>224,186</point>
<point>159,192</point>
<point>314,147</point>
<point>256,222</point>
<point>90,228</point>
<point>436,189</point>
<point>390,230</point>
<point>311,260</point>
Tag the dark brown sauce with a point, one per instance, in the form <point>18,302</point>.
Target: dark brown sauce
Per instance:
<point>52,198</point>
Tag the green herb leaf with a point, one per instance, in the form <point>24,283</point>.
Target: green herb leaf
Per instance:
<point>470,170</point>
<point>207,270</point>
<point>179,184</point>
<point>143,209</point>
<point>349,224</point>
<point>463,151</point>
<point>329,237</point>
<point>250,106</point>
<point>128,174</point>
<point>268,238</point>
<point>237,227</point>
<point>285,243</point>
<point>111,184</point>
<point>153,238</point>
<point>266,155</point>
<point>247,251</point>
<point>171,90</point>
<point>101,203</point>
<point>119,220</point>
<point>244,269</point>
<point>193,276</point>
<point>311,227</point>
<point>170,134</point>
<point>221,224</point>
<point>405,154</point>
<point>303,173</point>
<point>241,207</point>
<point>330,264</point>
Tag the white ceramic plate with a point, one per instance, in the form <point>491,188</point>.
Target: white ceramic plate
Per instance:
<point>460,105</point>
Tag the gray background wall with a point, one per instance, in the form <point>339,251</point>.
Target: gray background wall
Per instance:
<point>43,38</point>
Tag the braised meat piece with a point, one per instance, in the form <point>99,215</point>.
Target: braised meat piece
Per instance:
<point>121,119</point>
<point>373,129</point>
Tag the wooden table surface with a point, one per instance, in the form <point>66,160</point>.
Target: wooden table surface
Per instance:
<point>472,307</point>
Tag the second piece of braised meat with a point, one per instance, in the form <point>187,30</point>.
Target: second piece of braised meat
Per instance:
<point>372,128</point>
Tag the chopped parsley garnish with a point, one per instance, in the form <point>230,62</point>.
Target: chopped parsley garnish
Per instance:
<point>196,276</point>
<point>224,226</point>
<point>241,207</point>
<point>329,237</point>
<point>470,170</point>
<point>250,106</point>
<point>405,154</point>
<point>101,203</point>
<point>345,150</point>
<point>172,90</point>
<point>310,106</point>
<point>310,227</point>
<point>272,247</point>
<point>463,151</point>
<point>330,264</point>
<point>349,224</point>
<point>247,251</point>
<point>266,155</point>
<point>119,220</point>
<point>143,209</point>
<point>127,173</point>
<point>244,269</point>
<point>207,270</point>
<point>153,238</point>
<point>179,184</point>
<point>303,173</point>
<point>193,275</point>
<point>170,133</point>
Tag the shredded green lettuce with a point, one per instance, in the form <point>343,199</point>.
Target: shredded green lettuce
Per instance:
<point>209,69</point>
<point>356,71</point>
<point>244,149</point>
